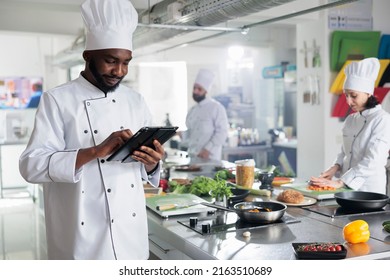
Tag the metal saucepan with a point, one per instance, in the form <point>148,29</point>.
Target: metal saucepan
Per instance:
<point>361,200</point>
<point>268,212</point>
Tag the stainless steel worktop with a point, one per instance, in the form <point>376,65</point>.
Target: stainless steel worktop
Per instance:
<point>268,243</point>
<point>171,240</point>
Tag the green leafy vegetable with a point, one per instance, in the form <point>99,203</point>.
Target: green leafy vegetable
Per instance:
<point>221,189</point>
<point>202,186</point>
<point>224,174</point>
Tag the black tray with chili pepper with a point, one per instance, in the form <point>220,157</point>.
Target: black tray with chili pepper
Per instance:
<point>319,251</point>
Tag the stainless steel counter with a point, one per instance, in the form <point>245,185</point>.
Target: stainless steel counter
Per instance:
<point>172,240</point>
<point>268,243</point>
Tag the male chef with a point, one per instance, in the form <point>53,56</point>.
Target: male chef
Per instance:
<point>94,209</point>
<point>207,122</point>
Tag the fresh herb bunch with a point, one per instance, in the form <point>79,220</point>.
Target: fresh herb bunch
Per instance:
<point>224,174</point>
<point>200,186</point>
<point>220,189</point>
<point>203,186</point>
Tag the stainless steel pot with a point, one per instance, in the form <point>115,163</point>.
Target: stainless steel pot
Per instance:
<point>361,200</point>
<point>275,213</point>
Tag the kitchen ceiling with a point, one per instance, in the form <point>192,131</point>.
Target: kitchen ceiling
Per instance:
<point>63,17</point>
<point>48,16</point>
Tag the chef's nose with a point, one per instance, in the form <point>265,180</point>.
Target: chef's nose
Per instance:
<point>119,70</point>
<point>349,99</point>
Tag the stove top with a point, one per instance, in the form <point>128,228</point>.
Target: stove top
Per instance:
<point>334,211</point>
<point>228,222</point>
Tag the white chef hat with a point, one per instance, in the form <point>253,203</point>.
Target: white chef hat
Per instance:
<point>361,75</point>
<point>110,24</point>
<point>205,79</point>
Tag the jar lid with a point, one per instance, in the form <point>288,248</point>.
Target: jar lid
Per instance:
<point>245,162</point>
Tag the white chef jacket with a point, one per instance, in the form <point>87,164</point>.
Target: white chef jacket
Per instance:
<point>386,102</point>
<point>363,156</point>
<point>98,211</point>
<point>207,125</point>
<point>386,106</point>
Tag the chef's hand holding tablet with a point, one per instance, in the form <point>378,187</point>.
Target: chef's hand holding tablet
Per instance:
<point>148,156</point>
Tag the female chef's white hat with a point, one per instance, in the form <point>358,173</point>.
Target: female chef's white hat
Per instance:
<point>205,79</point>
<point>361,75</point>
<point>110,24</point>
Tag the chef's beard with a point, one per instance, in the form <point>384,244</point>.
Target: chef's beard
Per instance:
<point>99,79</point>
<point>198,98</point>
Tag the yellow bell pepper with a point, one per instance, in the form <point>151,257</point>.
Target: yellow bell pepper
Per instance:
<point>356,232</point>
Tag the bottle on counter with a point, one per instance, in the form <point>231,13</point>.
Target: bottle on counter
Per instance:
<point>167,120</point>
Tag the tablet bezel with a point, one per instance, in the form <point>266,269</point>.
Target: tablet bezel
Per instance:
<point>143,137</point>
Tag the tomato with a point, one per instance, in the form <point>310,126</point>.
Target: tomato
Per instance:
<point>164,184</point>
<point>332,249</point>
<point>338,248</point>
<point>321,247</point>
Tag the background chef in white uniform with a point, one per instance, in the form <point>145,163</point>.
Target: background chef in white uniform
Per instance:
<point>366,134</point>
<point>386,107</point>
<point>94,209</point>
<point>207,122</point>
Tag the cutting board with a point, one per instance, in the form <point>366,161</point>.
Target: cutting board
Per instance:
<point>181,200</point>
<point>302,187</point>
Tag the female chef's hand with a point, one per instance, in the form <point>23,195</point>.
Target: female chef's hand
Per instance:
<point>148,156</point>
<point>322,182</point>
<point>330,172</point>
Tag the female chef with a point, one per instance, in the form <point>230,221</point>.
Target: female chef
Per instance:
<point>366,135</point>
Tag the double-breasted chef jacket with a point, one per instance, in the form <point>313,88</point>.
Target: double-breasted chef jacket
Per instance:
<point>363,157</point>
<point>208,126</point>
<point>98,211</point>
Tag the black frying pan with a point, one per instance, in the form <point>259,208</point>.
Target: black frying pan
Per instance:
<point>361,200</point>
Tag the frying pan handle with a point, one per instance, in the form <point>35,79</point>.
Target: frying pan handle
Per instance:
<point>217,206</point>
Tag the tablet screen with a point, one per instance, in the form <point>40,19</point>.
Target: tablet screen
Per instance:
<point>143,137</point>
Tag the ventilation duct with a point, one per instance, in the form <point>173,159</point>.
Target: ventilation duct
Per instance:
<point>172,16</point>
<point>200,13</point>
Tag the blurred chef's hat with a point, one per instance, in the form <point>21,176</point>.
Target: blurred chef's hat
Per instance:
<point>361,75</point>
<point>205,79</point>
<point>110,24</point>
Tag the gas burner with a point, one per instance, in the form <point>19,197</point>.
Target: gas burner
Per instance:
<point>228,222</point>
<point>335,211</point>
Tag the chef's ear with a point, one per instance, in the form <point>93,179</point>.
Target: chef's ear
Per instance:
<point>87,56</point>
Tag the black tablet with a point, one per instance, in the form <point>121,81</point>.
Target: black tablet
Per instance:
<point>143,137</point>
